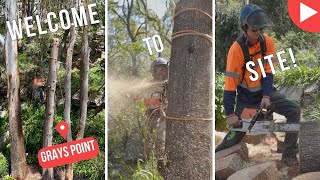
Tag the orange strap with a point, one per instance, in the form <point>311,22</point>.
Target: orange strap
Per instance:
<point>191,32</point>
<point>192,9</point>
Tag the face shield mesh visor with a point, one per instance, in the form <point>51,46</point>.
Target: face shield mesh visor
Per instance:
<point>258,19</point>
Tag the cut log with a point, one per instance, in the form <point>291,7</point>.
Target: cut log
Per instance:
<point>254,138</point>
<point>241,149</point>
<point>265,171</point>
<point>309,145</point>
<point>226,166</point>
<point>270,140</point>
<point>308,176</point>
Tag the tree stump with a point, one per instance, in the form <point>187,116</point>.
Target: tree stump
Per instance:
<point>309,145</point>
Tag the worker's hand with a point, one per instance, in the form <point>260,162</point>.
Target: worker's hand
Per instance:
<point>265,102</point>
<point>233,120</point>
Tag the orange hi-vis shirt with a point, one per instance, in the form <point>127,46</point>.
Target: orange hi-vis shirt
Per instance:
<point>152,103</point>
<point>248,91</point>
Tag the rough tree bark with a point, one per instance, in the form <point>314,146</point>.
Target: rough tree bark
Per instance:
<point>84,76</point>
<point>19,168</point>
<point>67,89</point>
<point>50,104</point>
<point>309,144</point>
<point>188,143</point>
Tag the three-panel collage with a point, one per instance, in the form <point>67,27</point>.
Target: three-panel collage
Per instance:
<point>159,90</point>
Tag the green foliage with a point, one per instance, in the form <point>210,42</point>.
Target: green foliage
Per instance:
<point>96,80</point>
<point>147,171</point>
<point>303,45</point>
<point>95,127</point>
<point>312,113</point>
<point>4,167</point>
<point>301,75</point>
<point>32,124</point>
<point>8,177</point>
<point>220,116</point>
<point>125,120</point>
<point>25,63</point>
<point>227,30</point>
<point>4,127</point>
<point>91,169</point>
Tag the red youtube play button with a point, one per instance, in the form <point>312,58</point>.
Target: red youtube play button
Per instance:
<point>305,14</point>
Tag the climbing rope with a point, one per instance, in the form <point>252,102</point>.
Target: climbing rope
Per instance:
<point>191,32</point>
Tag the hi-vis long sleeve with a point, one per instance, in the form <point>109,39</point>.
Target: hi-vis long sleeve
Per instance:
<point>241,86</point>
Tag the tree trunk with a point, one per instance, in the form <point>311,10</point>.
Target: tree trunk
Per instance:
<point>84,73</point>
<point>309,144</point>
<point>67,90</point>
<point>50,105</point>
<point>19,168</point>
<point>24,4</point>
<point>188,142</point>
<point>29,8</point>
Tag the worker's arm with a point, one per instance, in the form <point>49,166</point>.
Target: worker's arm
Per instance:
<point>267,82</point>
<point>232,78</point>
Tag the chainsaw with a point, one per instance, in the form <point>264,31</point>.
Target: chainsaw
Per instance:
<point>259,124</point>
<point>157,90</point>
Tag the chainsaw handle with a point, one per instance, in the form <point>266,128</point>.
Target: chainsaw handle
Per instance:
<point>237,126</point>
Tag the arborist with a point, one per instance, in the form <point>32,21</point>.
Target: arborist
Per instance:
<point>243,93</point>
<point>155,104</point>
<point>39,89</point>
<point>159,70</point>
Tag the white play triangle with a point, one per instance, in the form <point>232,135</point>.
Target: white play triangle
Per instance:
<point>306,12</point>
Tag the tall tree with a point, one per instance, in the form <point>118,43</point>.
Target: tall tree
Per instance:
<point>19,166</point>
<point>188,141</point>
<point>67,89</point>
<point>50,104</point>
<point>84,76</point>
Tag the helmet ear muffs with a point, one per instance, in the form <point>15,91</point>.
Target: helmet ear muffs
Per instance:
<point>245,28</point>
<point>253,16</point>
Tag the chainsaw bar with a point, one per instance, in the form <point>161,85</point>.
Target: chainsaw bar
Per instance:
<point>265,127</point>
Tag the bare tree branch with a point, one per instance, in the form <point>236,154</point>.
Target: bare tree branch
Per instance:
<point>121,18</point>
<point>138,30</point>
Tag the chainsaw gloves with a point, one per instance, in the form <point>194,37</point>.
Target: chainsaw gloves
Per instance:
<point>265,102</point>
<point>233,120</point>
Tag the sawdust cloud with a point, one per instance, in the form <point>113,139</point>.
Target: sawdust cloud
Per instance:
<point>123,92</point>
